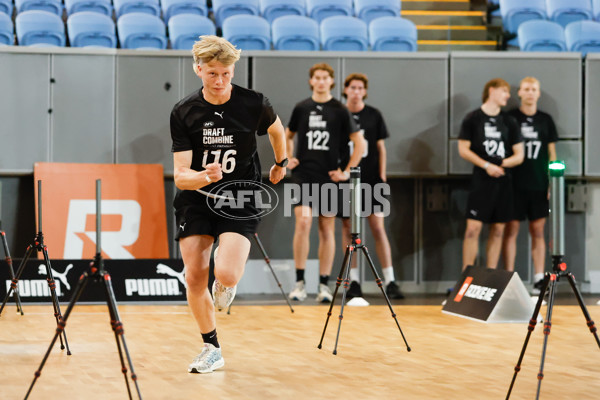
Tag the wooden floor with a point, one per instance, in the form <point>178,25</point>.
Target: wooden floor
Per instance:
<point>272,354</point>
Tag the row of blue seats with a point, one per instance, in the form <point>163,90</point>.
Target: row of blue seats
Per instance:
<point>366,10</point>
<point>248,32</point>
<point>541,35</point>
<point>563,12</point>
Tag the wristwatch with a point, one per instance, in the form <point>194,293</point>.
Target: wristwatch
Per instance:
<point>282,164</point>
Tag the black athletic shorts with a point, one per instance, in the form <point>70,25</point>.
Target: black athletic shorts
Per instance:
<point>371,202</point>
<point>321,197</point>
<point>199,220</point>
<point>490,199</point>
<point>531,204</point>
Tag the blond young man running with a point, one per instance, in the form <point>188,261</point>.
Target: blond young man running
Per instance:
<point>214,141</point>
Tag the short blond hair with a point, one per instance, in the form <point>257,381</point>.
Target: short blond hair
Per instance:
<point>529,79</point>
<point>211,47</point>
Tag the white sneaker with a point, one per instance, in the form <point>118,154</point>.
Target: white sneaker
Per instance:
<point>207,361</point>
<point>324,295</point>
<point>222,296</point>
<point>299,292</point>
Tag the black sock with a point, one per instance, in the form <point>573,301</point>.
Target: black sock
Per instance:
<point>323,279</point>
<point>299,275</point>
<point>211,337</point>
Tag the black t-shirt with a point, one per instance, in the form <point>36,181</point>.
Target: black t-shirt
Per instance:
<point>224,133</point>
<point>537,131</point>
<point>371,124</point>
<point>491,137</point>
<point>323,130</point>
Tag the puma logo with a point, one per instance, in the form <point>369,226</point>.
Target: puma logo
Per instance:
<point>166,270</point>
<point>220,114</point>
<point>320,108</point>
<point>182,226</point>
<point>61,277</point>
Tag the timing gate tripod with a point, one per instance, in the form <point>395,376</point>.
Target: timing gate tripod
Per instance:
<point>39,246</point>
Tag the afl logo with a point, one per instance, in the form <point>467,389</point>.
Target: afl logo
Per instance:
<point>227,199</point>
<point>209,124</point>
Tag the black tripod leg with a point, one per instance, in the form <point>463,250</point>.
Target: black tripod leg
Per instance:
<point>547,328</point>
<point>11,271</point>
<point>590,323</point>
<point>55,304</point>
<point>530,328</point>
<point>15,280</point>
<point>346,284</point>
<point>117,326</point>
<point>268,261</point>
<point>60,327</point>
<point>379,283</point>
<point>338,282</point>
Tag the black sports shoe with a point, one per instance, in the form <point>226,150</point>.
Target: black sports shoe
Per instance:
<point>354,290</point>
<point>537,287</point>
<point>393,291</point>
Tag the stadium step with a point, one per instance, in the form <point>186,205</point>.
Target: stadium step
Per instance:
<point>456,45</point>
<point>455,5</point>
<point>454,32</point>
<point>426,17</point>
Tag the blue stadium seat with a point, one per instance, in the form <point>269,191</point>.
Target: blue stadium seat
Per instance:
<point>540,35</point>
<point>52,6</point>
<point>596,9</point>
<point>123,7</point>
<point>176,7</point>
<point>141,31</point>
<point>393,34</point>
<point>368,10</point>
<point>186,29</point>
<point>583,36</point>
<point>224,9</point>
<point>295,32</point>
<point>98,6</point>
<point>248,32</point>
<point>7,37</point>
<point>566,11</point>
<point>343,33</point>
<point>40,28</point>
<point>273,9</point>
<point>6,7</point>
<point>515,12</point>
<point>321,9</point>
<point>91,29</point>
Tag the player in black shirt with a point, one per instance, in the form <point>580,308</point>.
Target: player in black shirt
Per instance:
<point>323,126</point>
<point>214,142</point>
<point>490,139</point>
<point>530,179</point>
<point>373,172</point>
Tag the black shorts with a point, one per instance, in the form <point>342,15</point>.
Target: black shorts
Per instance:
<point>321,197</point>
<point>373,199</point>
<point>198,220</point>
<point>531,204</point>
<point>490,199</point>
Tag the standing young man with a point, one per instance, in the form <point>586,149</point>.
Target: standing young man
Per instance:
<point>372,171</point>
<point>530,179</point>
<point>324,126</point>
<point>214,140</point>
<point>490,140</point>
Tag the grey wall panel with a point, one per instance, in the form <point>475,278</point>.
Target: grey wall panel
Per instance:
<point>147,90</point>
<point>592,116</point>
<point>559,75</point>
<point>571,152</point>
<point>24,105</point>
<point>83,101</point>
<point>418,124</point>
<point>284,80</point>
